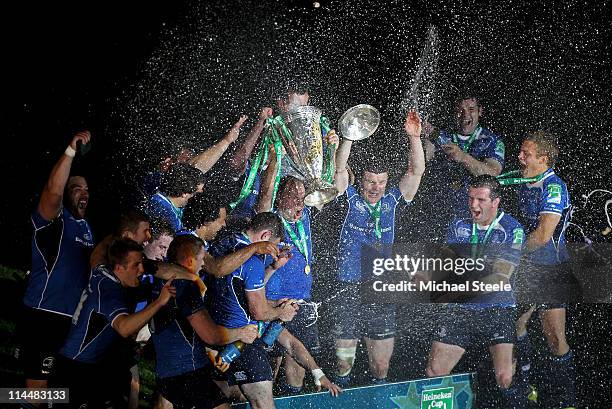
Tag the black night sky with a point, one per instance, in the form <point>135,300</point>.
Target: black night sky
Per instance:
<point>138,73</point>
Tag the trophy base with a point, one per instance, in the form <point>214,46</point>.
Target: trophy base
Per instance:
<point>319,193</point>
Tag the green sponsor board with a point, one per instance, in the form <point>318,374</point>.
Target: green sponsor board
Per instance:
<point>437,398</point>
<point>447,392</point>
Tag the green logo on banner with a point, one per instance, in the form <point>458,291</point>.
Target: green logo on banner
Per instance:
<point>437,398</point>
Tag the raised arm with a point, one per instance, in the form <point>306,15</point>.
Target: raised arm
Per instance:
<point>222,266</point>
<point>409,183</point>
<point>205,160</point>
<point>129,324</point>
<point>266,192</point>
<point>341,179</point>
<point>237,163</point>
<point>51,199</point>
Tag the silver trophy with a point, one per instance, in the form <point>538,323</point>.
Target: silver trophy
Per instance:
<point>359,122</point>
<point>303,156</point>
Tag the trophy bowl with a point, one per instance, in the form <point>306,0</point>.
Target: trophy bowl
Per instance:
<point>359,122</point>
<point>304,159</point>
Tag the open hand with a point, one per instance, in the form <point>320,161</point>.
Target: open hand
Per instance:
<point>412,125</point>
<point>334,389</point>
<point>233,133</point>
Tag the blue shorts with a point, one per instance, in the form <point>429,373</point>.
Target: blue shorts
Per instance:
<point>467,327</point>
<point>553,285</point>
<point>41,334</point>
<point>303,326</point>
<point>355,320</point>
<point>192,389</point>
<point>251,366</point>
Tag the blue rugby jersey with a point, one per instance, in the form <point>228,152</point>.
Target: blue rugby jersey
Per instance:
<point>160,206</point>
<point>91,334</point>
<point>178,348</point>
<point>226,296</point>
<point>505,242</point>
<point>291,280</point>
<point>549,195</point>
<point>485,145</point>
<point>60,263</point>
<point>358,229</point>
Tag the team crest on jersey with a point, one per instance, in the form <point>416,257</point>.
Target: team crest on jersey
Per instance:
<point>385,208</point>
<point>554,193</point>
<point>518,236</point>
<point>361,206</point>
<point>463,232</point>
<point>47,365</point>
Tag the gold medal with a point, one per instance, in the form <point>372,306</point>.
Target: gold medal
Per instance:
<point>307,269</point>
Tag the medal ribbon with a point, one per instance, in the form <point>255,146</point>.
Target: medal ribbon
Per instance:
<point>329,167</point>
<point>470,140</point>
<point>474,236</point>
<point>509,178</point>
<point>375,213</point>
<point>271,137</point>
<point>300,242</point>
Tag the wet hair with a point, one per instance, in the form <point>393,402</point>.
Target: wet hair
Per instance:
<point>267,221</point>
<point>119,249</point>
<point>468,94</point>
<point>181,178</point>
<point>202,208</point>
<point>184,246</point>
<point>129,220</point>
<point>546,144</point>
<point>488,181</point>
<point>284,183</point>
<point>298,85</point>
<point>375,165</point>
<point>160,227</point>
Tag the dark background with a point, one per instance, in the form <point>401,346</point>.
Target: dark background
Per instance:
<point>142,76</point>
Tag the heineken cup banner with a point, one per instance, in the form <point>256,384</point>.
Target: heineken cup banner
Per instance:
<point>449,392</point>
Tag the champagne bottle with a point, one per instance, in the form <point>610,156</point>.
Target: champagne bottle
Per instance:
<point>272,332</point>
<point>232,351</point>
